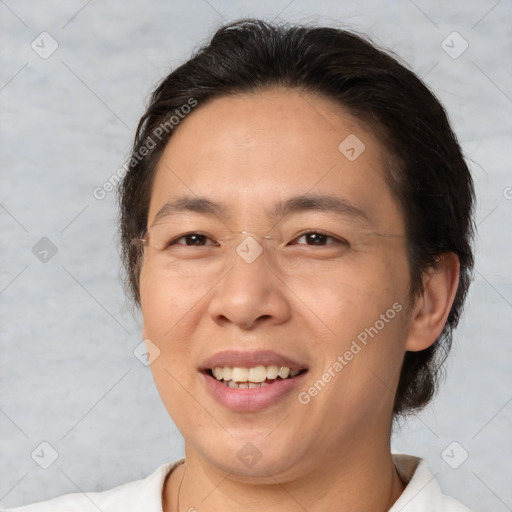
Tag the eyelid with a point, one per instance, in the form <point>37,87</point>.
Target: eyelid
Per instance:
<point>337,239</point>
<point>174,240</point>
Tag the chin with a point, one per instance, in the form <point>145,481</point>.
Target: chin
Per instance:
<point>253,457</point>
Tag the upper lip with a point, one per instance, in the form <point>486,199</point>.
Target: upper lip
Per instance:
<point>249,359</point>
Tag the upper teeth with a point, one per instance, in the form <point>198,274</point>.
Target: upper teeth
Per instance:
<point>256,374</point>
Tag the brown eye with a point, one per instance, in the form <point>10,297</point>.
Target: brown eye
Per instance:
<point>318,238</point>
<point>191,240</point>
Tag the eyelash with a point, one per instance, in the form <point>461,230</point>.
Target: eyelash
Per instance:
<point>318,232</point>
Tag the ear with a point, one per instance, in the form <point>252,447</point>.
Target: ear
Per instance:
<point>432,307</point>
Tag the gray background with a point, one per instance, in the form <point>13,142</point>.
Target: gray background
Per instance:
<point>68,373</point>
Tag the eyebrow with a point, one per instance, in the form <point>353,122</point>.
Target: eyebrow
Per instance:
<point>296,204</point>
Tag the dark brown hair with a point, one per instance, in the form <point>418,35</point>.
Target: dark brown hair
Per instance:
<point>427,172</point>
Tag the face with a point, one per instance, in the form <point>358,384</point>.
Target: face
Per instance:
<point>324,297</point>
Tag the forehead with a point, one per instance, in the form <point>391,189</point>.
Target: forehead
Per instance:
<point>252,151</point>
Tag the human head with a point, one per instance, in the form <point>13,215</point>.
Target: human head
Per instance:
<point>426,171</point>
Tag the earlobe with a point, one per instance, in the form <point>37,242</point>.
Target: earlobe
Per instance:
<point>432,307</point>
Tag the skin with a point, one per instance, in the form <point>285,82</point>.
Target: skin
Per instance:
<point>247,152</point>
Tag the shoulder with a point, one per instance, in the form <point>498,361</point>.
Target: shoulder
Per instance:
<point>145,494</point>
<point>422,492</point>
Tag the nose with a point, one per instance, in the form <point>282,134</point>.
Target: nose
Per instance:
<point>249,294</point>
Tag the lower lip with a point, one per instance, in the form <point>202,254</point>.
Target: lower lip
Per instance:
<point>250,400</point>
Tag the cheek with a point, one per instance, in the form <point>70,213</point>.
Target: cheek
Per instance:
<point>363,305</point>
<point>353,295</point>
<point>167,303</point>
<point>169,377</point>
<point>164,307</point>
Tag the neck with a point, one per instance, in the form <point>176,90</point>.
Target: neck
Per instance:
<point>356,482</point>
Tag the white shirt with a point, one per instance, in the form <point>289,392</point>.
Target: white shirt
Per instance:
<point>421,494</point>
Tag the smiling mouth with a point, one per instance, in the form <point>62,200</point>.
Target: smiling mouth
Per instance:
<point>239,377</point>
